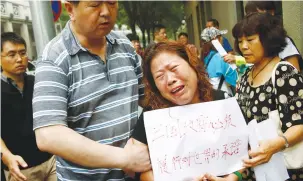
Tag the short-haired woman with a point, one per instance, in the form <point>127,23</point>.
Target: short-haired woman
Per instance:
<point>259,37</point>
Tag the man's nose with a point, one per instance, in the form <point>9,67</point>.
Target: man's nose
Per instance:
<point>18,57</point>
<point>104,9</point>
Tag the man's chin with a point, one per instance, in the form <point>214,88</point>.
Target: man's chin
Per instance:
<point>104,31</point>
<point>19,72</point>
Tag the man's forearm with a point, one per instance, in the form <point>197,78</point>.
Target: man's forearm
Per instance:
<point>66,143</point>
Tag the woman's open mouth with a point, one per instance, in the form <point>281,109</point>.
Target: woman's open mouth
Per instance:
<point>177,90</point>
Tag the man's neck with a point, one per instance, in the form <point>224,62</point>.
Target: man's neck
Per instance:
<point>93,44</point>
<point>17,78</point>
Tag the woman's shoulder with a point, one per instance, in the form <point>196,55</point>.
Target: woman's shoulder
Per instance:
<point>284,67</point>
<point>216,55</point>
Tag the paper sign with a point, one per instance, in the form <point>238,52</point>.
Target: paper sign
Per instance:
<point>222,51</point>
<point>275,169</point>
<point>187,141</point>
<point>219,47</point>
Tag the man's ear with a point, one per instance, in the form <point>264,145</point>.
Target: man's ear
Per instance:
<point>70,10</point>
<point>156,35</point>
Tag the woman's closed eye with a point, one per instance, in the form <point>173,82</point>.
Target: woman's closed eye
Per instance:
<point>174,68</point>
<point>159,76</point>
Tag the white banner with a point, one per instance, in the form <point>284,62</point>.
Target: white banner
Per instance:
<point>187,141</point>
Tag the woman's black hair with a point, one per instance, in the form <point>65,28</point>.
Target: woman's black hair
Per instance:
<point>269,28</point>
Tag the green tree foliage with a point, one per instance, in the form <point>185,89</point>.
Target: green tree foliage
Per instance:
<point>122,16</point>
<point>171,16</point>
<point>64,17</point>
<point>131,8</point>
<point>146,14</point>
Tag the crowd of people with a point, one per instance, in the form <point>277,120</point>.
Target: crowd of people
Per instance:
<point>78,118</point>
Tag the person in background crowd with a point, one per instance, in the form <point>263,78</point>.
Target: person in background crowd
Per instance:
<point>183,38</point>
<point>229,57</point>
<point>259,38</point>
<point>160,33</point>
<point>221,74</point>
<point>214,23</point>
<point>21,158</point>
<point>136,43</point>
<point>87,88</point>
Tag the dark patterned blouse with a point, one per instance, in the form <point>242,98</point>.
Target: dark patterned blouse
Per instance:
<point>286,96</point>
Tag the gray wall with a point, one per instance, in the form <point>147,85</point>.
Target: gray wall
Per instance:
<point>293,21</point>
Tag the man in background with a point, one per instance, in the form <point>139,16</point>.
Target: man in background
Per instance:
<point>214,23</point>
<point>136,43</point>
<point>21,157</point>
<point>160,33</point>
<point>183,38</point>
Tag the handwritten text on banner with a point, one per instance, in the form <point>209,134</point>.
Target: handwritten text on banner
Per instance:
<point>187,141</point>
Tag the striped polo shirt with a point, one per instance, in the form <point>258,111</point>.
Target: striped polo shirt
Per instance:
<point>98,100</point>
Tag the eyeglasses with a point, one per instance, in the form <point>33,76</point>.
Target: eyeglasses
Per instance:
<point>13,55</point>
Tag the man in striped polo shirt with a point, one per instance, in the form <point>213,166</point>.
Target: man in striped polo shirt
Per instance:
<point>88,83</point>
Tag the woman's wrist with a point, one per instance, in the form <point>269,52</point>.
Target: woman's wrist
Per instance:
<point>279,144</point>
<point>238,175</point>
<point>231,177</point>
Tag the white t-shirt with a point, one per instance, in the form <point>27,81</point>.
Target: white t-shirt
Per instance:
<point>289,50</point>
<point>215,81</point>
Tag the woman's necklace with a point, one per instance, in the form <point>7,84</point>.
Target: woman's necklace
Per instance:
<point>252,73</point>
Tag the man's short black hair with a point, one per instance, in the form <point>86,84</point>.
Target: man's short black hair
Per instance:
<point>158,27</point>
<point>11,37</point>
<point>253,6</point>
<point>132,37</point>
<point>183,34</point>
<point>214,21</point>
<point>271,33</point>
